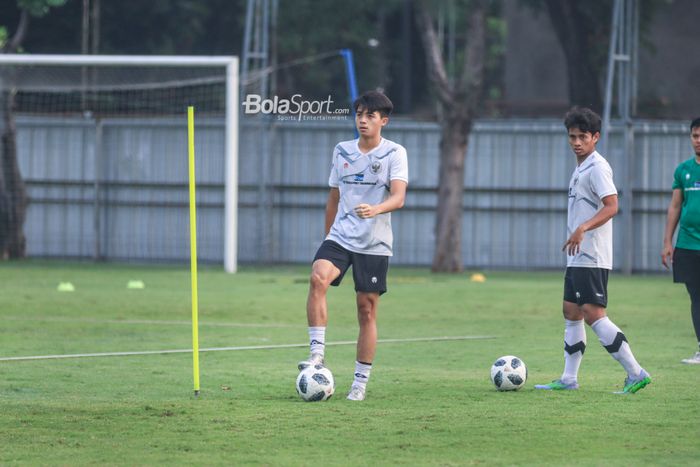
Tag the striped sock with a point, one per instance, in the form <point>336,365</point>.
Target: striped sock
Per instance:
<point>574,347</point>
<point>616,344</point>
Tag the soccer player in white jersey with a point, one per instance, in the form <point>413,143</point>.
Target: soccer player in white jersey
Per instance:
<point>368,181</point>
<point>592,205</point>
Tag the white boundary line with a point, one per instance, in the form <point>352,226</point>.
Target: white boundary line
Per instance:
<point>249,347</point>
<point>149,321</point>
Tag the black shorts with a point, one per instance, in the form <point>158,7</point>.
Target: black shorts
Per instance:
<point>586,285</point>
<point>686,266</point>
<point>368,271</point>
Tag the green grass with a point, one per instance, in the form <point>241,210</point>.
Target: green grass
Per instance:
<point>429,403</point>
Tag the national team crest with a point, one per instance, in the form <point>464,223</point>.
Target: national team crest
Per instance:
<point>376,167</point>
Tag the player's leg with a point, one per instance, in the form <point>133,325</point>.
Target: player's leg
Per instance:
<point>686,270</point>
<point>574,343</point>
<point>592,286</point>
<point>367,304</point>
<point>323,273</point>
<point>574,340</point>
<point>369,272</point>
<point>329,266</point>
<point>694,293</point>
<point>611,338</point>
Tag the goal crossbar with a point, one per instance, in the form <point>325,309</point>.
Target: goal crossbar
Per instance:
<point>119,60</point>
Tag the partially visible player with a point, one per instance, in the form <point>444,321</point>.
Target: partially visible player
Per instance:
<point>685,207</point>
<point>368,180</point>
<point>592,205</point>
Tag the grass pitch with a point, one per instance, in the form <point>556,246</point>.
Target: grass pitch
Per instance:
<point>429,403</point>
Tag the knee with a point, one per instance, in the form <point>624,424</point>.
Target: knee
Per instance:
<point>366,312</point>
<point>593,314</point>
<point>318,282</point>
<point>572,313</point>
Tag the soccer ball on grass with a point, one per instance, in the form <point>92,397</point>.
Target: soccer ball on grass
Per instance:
<point>508,373</point>
<point>315,383</point>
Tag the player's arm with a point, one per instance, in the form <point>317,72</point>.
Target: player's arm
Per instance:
<point>607,212</point>
<point>396,199</point>
<point>673,214</point>
<point>332,207</point>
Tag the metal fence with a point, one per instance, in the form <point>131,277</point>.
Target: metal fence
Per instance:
<point>116,189</point>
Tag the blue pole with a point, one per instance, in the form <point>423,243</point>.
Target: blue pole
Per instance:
<point>350,75</point>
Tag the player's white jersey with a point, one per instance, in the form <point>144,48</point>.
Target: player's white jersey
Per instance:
<point>365,178</point>
<point>590,183</point>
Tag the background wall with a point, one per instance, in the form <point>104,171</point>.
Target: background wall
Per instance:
<point>517,174</point>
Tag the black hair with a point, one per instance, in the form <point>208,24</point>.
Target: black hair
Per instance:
<point>694,124</point>
<point>584,119</point>
<point>374,101</point>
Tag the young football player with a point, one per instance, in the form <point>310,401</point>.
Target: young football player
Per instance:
<point>368,181</point>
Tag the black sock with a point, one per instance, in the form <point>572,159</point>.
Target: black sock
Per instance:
<point>694,292</point>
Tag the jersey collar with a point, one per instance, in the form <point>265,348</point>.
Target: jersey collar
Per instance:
<point>589,161</point>
<point>372,151</point>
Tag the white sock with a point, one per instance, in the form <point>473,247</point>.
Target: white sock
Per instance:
<point>574,347</point>
<point>616,344</point>
<point>362,371</point>
<point>317,339</point>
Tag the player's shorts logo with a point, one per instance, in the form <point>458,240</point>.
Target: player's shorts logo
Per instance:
<point>374,280</point>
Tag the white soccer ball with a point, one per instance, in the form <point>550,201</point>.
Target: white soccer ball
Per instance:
<point>508,373</point>
<point>315,383</point>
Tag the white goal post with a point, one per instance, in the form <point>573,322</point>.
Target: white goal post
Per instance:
<point>229,63</point>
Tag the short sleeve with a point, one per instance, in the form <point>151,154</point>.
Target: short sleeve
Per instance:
<point>677,178</point>
<point>399,165</point>
<point>333,180</point>
<point>602,181</point>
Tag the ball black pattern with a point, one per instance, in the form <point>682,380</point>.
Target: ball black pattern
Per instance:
<point>498,379</point>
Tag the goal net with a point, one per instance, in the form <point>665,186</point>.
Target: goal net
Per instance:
<point>101,145</point>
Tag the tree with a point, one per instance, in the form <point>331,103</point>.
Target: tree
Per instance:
<point>459,99</point>
<point>583,31</point>
<point>578,29</point>
<point>13,195</point>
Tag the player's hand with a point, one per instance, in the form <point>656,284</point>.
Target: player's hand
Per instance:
<point>573,243</point>
<point>667,255</point>
<point>365,211</point>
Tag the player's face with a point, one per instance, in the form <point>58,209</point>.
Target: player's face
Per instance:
<point>695,139</point>
<point>369,124</point>
<point>582,143</point>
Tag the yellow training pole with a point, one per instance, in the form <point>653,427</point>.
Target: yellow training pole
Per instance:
<point>193,250</point>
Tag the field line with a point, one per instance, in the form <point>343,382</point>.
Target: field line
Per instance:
<point>228,349</point>
<point>150,321</point>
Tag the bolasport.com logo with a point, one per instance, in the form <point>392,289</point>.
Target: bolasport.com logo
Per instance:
<point>294,108</point>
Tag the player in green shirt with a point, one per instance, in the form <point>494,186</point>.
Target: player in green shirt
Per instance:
<point>685,209</point>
